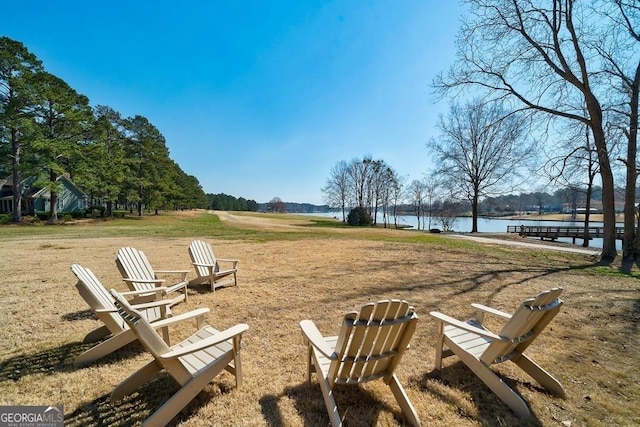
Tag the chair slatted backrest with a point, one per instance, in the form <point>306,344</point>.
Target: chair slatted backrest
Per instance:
<point>202,253</point>
<point>146,334</point>
<point>97,298</point>
<point>133,264</point>
<point>371,342</point>
<point>526,323</point>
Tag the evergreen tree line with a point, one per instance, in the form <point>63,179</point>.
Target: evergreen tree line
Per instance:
<point>47,129</point>
<point>224,202</point>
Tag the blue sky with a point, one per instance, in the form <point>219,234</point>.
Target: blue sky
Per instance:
<point>257,99</point>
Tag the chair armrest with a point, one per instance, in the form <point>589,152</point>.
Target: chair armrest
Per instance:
<point>180,317</point>
<point>144,291</point>
<point>172,271</point>
<point>234,261</point>
<point>210,267</point>
<point>463,325</point>
<point>152,304</point>
<point>157,281</point>
<point>225,335</point>
<point>490,310</point>
<point>160,303</point>
<point>182,273</point>
<point>315,338</point>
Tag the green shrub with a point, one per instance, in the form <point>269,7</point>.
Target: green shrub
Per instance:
<point>359,217</point>
<point>42,215</point>
<point>5,218</point>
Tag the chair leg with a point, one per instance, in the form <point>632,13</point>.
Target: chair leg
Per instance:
<point>403,400</point>
<point>439,345</point>
<point>536,372</point>
<point>327,395</point>
<point>182,397</point>
<point>165,335</point>
<point>237,360</point>
<point>135,380</point>
<point>497,385</point>
<point>309,361</point>
<point>104,348</point>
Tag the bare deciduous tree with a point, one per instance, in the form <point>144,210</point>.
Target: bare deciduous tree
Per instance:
<point>576,171</point>
<point>618,47</point>
<point>415,196</point>
<point>537,56</point>
<point>480,150</point>
<point>336,190</point>
<point>276,205</point>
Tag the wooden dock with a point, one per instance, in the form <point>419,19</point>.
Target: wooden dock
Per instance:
<point>555,232</point>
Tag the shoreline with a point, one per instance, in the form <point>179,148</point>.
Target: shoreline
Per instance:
<point>555,217</point>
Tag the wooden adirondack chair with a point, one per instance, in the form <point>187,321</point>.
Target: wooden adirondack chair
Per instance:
<point>370,346</point>
<point>193,363</point>
<point>479,348</point>
<point>207,266</point>
<point>114,329</point>
<point>139,275</point>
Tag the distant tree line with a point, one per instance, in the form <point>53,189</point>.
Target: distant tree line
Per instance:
<point>224,202</point>
<point>48,129</point>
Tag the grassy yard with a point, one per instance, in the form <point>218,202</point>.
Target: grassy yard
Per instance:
<point>294,268</point>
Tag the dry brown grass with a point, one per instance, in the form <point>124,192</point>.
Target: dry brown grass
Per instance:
<point>591,347</point>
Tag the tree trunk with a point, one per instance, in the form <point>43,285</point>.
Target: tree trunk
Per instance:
<point>53,201</point>
<point>474,213</point>
<point>630,249</point>
<point>15,165</point>
<point>587,214</point>
<point>609,251</point>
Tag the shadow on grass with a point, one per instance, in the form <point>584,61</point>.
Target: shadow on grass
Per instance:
<point>135,408</point>
<point>357,405</point>
<point>490,409</point>
<point>626,267</point>
<point>79,315</point>
<point>205,288</point>
<point>58,359</point>
<point>462,283</point>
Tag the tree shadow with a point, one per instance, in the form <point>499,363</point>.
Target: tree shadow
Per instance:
<point>461,284</point>
<point>626,266</point>
<point>50,361</point>
<point>490,409</point>
<point>357,405</point>
<point>135,408</point>
<point>59,359</point>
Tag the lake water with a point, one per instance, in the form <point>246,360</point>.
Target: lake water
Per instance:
<point>486,225</point>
